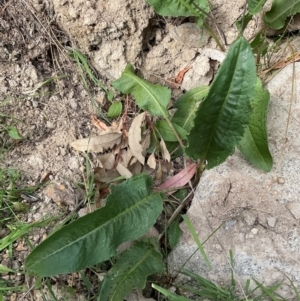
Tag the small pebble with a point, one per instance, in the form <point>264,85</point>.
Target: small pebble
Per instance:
<point>280,180</point>
<point>271,221</point>
<point>254,231</point>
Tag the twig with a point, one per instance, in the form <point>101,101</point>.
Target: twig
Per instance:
<point>176,212</point>
<point>5,6</point>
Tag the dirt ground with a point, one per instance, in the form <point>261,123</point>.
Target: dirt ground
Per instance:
<point>41,87</point>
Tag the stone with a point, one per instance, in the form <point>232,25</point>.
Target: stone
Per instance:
<point>271,221</point>
<point>229,196</point>
<point>60,194</point>
<point>294,208</point>
<point>254,231</point>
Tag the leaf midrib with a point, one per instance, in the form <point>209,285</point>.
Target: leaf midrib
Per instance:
<point>132,270</point>
<point>213,131</point>
<point>139,81</point>
<point>144,200</point>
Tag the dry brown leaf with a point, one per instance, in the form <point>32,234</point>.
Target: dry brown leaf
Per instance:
<point>103,176</point>
<point>180,179</point>
<point>123,171</point>
<point>115,127</point>
<point>134,137</point>
<point>151,161</point>
<point>107,161</point>
<point>122,145</point>
<point>146,143</point>
<point>135,168</point>
<point>126,156</point>
<point>159,173</point>
<point>98,124</point>
<point>164,151</point>
<point>98,143</point>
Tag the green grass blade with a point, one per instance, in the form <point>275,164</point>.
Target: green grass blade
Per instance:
<point>21,230</point>
<point>196,239</point>
<point>170,296</point>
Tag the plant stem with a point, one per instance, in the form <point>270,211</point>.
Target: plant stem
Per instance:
<point>211,32</point>
<point>200,169</point>
<point>175,132</point>
<point>176,213</point>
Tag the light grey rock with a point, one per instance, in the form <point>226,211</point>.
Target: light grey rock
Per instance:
<point>271,221</point>
<point>237,197</point>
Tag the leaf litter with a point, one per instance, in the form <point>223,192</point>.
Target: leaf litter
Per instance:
<point>123,150</point>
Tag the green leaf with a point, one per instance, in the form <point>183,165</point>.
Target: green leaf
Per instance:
<point>184,8</point>
<point>255,6</point>
<point>14,133</point>
<point>174,149</point>
<point>254,144</point>
<point>280,10</point>
<point>166,133</point>
<point>186,106</point>
<point>174,233</point>
<point>4,269</point>
<point>131,271</point>
<point>223,115</point>
<point>259,44</point>
<point>154,98</point>
<point>131,209</point>
<point>115,110</point>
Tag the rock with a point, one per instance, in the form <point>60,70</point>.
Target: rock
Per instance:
<point>294,209</point>
<point>254,231</point>
<point>271,221</point>
<point>60,194</point>
<point>236,192</point>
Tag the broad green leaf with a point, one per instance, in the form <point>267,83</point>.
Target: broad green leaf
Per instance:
<point>14,133</point>
<point>184,8</point>
<point>223,115</point>
<point>254,144</point>
<point>154,98</point>
<point>255,6</point>
<point>131,209</point>
<point>166,133</point>
<point>280,10</point>
<point>186,106</point>
<point>174,233</point>
<point>130,271</point>
<point>115,110</point>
